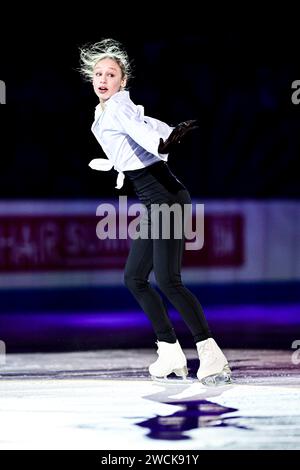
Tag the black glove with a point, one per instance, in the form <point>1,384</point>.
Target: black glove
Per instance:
<point>176,135</point>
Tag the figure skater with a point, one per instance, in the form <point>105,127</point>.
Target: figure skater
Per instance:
<point>137,146</point>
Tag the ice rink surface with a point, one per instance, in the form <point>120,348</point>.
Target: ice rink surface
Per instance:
<point>105,400</point>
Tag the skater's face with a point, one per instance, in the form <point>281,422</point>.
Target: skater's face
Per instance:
<point>107,79</point>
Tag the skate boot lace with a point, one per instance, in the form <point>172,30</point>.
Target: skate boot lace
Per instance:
<point>205,351</point>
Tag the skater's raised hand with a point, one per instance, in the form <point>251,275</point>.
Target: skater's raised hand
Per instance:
<point>176,135</point>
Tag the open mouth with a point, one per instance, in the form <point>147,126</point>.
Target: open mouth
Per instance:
<point>102,89</point>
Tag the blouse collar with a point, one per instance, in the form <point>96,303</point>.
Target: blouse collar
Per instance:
<point>120,96</point>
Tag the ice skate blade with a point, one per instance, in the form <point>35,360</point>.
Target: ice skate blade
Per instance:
<point>181,374</point>
<point>223,378</point>
<point>172,380</point>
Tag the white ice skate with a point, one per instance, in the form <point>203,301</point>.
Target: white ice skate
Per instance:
<point>214,368</point>
<point>170,359</point>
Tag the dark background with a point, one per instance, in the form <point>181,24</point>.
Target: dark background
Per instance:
<point>235,76</point>
<point>231,68</point>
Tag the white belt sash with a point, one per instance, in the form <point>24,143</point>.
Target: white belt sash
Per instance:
<point>103,164</point>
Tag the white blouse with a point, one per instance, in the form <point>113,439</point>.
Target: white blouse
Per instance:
<point>128,138</point>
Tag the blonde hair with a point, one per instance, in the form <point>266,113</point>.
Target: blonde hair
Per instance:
<point>90,54</point>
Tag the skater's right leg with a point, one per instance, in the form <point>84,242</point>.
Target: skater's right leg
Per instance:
<point>137,269</point>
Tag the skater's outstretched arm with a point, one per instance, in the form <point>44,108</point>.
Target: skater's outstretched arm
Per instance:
<point>177,135</point>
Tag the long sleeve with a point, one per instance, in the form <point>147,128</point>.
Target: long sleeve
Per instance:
<point>144,130</point>
<point>129,139</point>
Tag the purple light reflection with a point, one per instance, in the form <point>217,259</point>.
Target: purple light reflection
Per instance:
<point>236,326</point>
<point>273,314</point>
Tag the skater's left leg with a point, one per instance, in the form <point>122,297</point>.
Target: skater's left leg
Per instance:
<point>167,267</point>
<point>167,261</point>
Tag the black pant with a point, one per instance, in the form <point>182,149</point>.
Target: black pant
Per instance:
<point>156,184</point>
